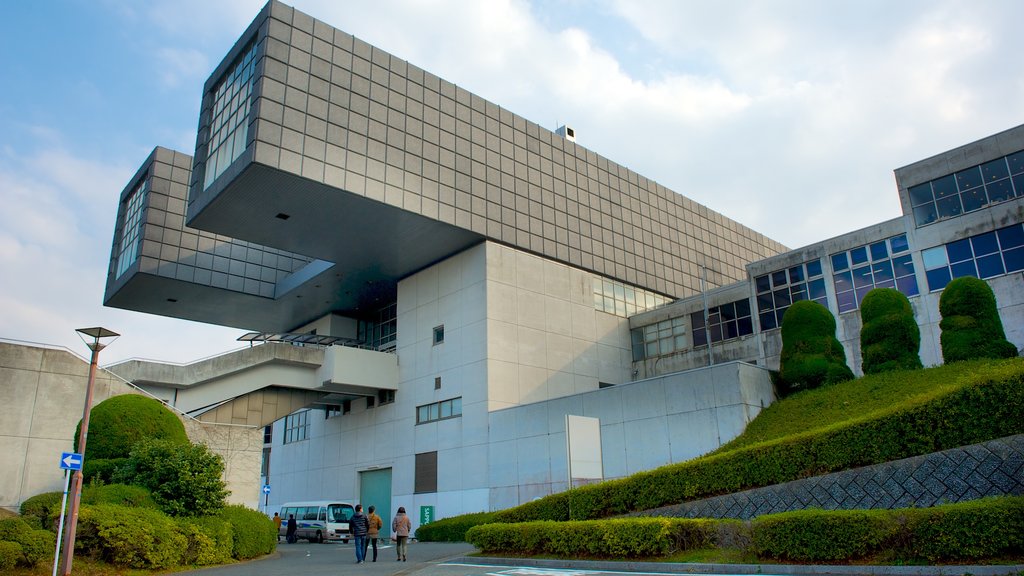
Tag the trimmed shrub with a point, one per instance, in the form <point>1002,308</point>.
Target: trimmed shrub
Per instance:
<point>811,354</point>
<point>119,494</point>
<point>971,327</point>
<point>452,529</point>
<point>889,338</point>
<point>967,531</point>
<point>35,544</point>
<point>184,479</point>
<point>101,469</point>
<point>117,423</point>
<point>40,510</point>
<point>10,554</point>
<point>209,539</point>
<point>133,537</point>
<point>254,534</point>
<point>820,536</point>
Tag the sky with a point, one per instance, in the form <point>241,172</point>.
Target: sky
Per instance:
<point>788,116</point>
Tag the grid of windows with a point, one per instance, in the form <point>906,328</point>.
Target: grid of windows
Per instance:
<point>623,300</point>
<point>982,256</point>
<point>439,410</point>
<point>131,232</point>
<point>659,339</point>
<point>778,290</point>
<point>296,426</point>
<point>381,335</point>
<point>725,322</point>
<point>968,190</point>
<point>229,127</point>
<point>885,264</point>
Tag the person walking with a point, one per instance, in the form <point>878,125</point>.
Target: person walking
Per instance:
<point>400,527</point>
<point>360,526</point>
<point>289,536</point>
<point>277,524</point>
<point>373,531</point>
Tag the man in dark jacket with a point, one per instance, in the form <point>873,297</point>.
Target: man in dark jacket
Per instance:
<point>359,526</point>
<point>292,526</point>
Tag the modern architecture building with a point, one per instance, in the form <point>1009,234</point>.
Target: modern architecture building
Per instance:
<point>434,284</point>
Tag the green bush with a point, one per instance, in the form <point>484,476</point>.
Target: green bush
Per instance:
<point>254,534</point>
<point>967,531</point>
<point>210,541</point>
<point>133,537</point>
<point>820,536</point>
<point>811,355</point>
<point>10,554</point>
<point>120,494</point>
<point>117,423</point>
<point>40,510</point>
<point>889,338</point>
<point>35,544</point>
<point>101,469</point>
<point>452,529</point>
<point>970,324</point>
<point>184,479</point>
<point>631,538</point>
<point>987,406</point>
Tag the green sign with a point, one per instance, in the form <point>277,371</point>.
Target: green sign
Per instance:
<point>426,514</point>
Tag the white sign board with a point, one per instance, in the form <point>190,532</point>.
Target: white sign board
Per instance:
<point>583,448</point>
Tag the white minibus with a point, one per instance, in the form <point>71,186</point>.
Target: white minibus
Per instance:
<point>318,520</point>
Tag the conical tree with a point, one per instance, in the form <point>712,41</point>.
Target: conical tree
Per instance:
<point>970,324</point>
<point>811,354</point>
<point>889,337</point>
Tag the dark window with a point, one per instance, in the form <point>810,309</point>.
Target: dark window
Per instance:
<point>438,334</point>
<point>385,396</point>
<point>437,383</point>
<point>426,473</point>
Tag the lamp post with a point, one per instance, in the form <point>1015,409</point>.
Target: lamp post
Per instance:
<point>76,481</point>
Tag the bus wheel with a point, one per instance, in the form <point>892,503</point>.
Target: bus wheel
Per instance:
<point>319,537</point>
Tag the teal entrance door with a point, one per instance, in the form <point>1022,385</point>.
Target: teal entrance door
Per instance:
<point>375,490</point>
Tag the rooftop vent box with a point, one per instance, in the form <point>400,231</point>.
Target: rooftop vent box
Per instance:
<point>567,133</point>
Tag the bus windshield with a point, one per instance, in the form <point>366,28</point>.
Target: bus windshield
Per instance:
<point>340,512</point>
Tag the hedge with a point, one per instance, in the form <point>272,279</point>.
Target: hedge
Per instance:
<point>34,544</point>
<point>452,529</point>
<point>41,510</point>
<point>254,534</point>
<point>986,408</point>
<point>134,537</point>
<point>976,530</point>
<point>210,541</point>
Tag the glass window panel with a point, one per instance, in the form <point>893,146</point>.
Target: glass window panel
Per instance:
<point>796,274</point>
<point>764,302</point>
<point>700,337</point>
<point>959,251</point>
<point>925,214</point>
<point>778,278</point>
<point>457,406</point>
<point>434,410</point>
<point>999,191</point>
<point>961,269</point>
<point>847,301</point>
<point>620,292</point>
<point>1011,237</point>
<point>879,251</point>
<point>697,320</point>
<point>991,265</point>
<point>907,285</point>
<point>782,298</point>
<point>882,271</point>
<point>652,349</point>
<point>920,194</point>
<point>899,244</point>
<point>679,342</point>
<point>938,278</point>
<point>949,207</point>
<point>731,330</point>
<point>974,199</point>
<point>446,409</point>
<point>944,187</point>
<point>885,283</point>
<point>745,326</point>
<point>714,316</point>
<point>839,262</point>
<point>742,308</point>
<point>985,244</point>
<point>844,281</point>
<point>814,268</point>
<point>728,311</point>
<point>767,323</point>
<point>1016,162</point>
<point>798,295</point>
<point>763,284</point>
<point>422,414</point>
<point>859,255</point>
<point>1018,185</point>
<point>620,308</point>
<point>816,289</point>
<point>1014,259</point>
<point>970,178</point>
<point>995,170</point>
<point>630,295</point>
<point>904,265</point>
<point>716,332</point>
<point>862,277</point>
<point>779,315</point>
<point>934,257</point>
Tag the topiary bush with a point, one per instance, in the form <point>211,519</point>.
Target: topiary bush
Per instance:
<point>970,325</point>
<point>184,479</point>
<point>811,354</point>
<point>889,337</point>
<point>254,534</point>
<point>10,554</point>
<point>117,423</point>
<point>40,510</point>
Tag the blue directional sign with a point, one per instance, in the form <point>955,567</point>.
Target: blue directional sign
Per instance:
<point>70,461</point>
<point>266,488</point>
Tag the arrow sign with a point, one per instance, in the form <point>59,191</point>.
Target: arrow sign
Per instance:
<point>70,461</point>
<point>266,489</point>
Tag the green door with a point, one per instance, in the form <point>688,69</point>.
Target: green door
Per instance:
<point>375,490</point>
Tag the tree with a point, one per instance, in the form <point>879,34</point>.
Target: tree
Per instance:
<point>184,479</point>
<point>889,338</point>
<point>811,354</point>
<point>970,324</point>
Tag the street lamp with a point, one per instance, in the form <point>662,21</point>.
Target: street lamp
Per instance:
<point>96,334</point>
